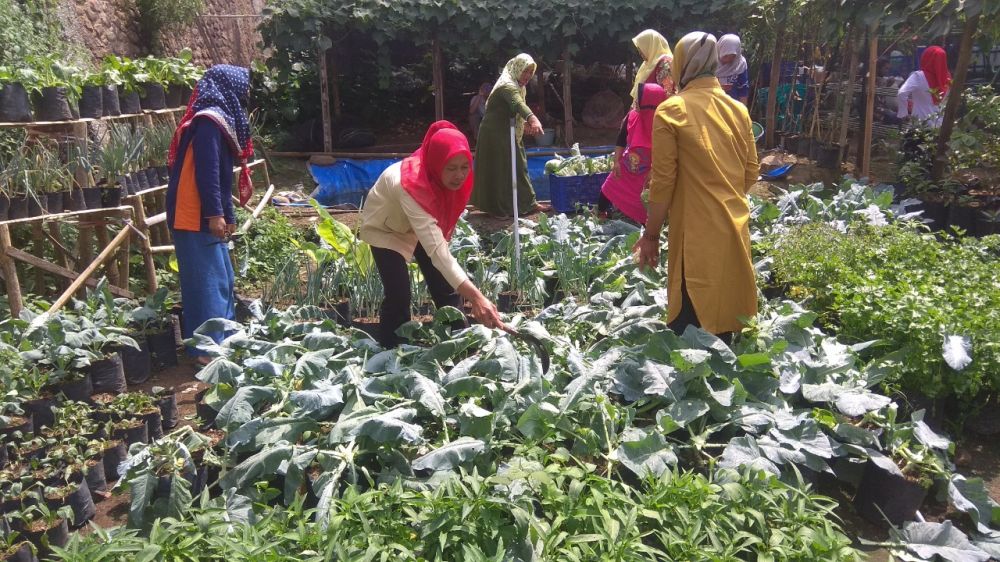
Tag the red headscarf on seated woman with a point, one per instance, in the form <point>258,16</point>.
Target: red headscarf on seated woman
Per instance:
<point>934,64</point>
<point>421,175</point>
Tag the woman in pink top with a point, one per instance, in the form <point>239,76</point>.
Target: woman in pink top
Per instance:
<point>633,157</point>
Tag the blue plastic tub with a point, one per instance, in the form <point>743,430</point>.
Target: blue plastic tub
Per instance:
<point>570,192</point>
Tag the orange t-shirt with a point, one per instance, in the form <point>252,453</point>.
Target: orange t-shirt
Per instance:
<point>187,213</point>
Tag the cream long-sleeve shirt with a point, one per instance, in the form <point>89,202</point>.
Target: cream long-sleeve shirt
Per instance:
<point>393,220</point>
<point>917,90</point>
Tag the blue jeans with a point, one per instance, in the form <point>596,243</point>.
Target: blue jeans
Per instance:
<point>207,280</point>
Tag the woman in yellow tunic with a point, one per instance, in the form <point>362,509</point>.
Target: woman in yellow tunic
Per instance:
<point>704,162</point>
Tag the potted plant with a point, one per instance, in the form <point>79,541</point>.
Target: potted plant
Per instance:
<point>61,353</point>
<point>15,105</point>
<point>153,321</point>
<point>894,486</point>
<point>43,526</point>
<point>181,77</point>
<point>72,493</point>
<point>139,405</point>
<point>55,90</point>
<point>128,431</point>
<point>988,222</point>
<point>92,95</point>
<point>110,80</point>
<point>13,419</point>
<point>49,177</point>
<point>13,548</point>
<point>166,467</point>
<point>157,144</point>
<point>151,77</point>
<point>122,71</point>
<point>166,399</point>
<point>78,166</point>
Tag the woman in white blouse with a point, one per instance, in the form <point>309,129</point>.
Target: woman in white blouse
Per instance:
<point>921,95</point>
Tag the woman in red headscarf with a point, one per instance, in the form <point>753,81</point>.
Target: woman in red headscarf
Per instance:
<point>411,212</point>
<point>921,95</point>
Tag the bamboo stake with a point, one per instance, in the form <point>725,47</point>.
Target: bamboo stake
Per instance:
<point>108,251</point>
<point>38,244</point>
<point>567,99</point>
<point>55,236</point>
<point>9,269</point>
<point>772,92</point>
<point>866,147</point>
<point>438,79</point>
<point>258,210</point>
<point>845,112</point>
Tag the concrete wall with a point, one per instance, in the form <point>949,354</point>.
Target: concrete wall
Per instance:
<point>109,27</point>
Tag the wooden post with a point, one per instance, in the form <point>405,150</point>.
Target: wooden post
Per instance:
<point>772,89</point>
<point>866,146</point>
<point>139,216</point>
<point>38,244</point>
<point>123,259</point>
<point>333,76</point>
<point>954,98</point>
<point>104,239</point>
<point>81,176</point>
<point>83,242</point>
<point>108,251</point>
<point>10,273</point>
<point>567,99</point>
<point>56,237</point>
<point>324,95</point>
<point>438,78</point>
<point>851,75</point>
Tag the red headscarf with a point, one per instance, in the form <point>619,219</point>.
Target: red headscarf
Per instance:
<point>934,64</point>
<point>421,175</point>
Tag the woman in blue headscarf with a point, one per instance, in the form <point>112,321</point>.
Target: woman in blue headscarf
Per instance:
<point>213,135</point>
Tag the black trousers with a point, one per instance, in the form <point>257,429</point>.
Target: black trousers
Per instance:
<point>688,316</point>
<point>395,277</point>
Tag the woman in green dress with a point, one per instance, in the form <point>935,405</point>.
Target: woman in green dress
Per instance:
<point>492,190</point>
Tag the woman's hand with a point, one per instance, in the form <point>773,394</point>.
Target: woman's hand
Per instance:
<point>483,310</point>
<point>217,226</point>
<point>648,250</point>
<point>533,127</point>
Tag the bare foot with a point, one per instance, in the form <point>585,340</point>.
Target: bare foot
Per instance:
<point>203,360</point>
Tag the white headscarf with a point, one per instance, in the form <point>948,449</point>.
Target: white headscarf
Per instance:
<point>511,76</point>
<point>729,44</point>
<point>696,57</point>
<point>652,46</point>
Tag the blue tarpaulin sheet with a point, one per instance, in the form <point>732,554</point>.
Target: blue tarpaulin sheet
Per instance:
<point>346,181</point>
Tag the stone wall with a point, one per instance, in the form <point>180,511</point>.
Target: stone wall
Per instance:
<point>110,27</point>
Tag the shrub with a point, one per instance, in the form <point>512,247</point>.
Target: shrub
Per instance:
<point>909,289</point>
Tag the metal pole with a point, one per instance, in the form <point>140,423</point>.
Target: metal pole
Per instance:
<point>513,187</point>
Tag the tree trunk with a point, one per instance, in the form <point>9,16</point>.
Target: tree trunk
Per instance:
<point>438,81</point>
<point>772,91</point>
<point>954,98</point>
<point>567,99</point>
<point>866,143</point>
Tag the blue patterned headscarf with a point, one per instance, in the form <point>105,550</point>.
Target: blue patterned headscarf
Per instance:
<point>221,96</point>
<point>223,90</point>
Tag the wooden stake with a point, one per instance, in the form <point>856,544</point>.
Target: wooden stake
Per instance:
<point>139,213</point>
<point>848,93</point>
<point>38,245</point>
<point>257,211</point>
<point>10,273</point>
<point>866,146</point>
<point>108,251</point>
<point>954,98</point>
<point>438,78</point>
<point>334,85</point>
<point>567,99</point>
<point>324,97</point>
<point>772,90</point>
